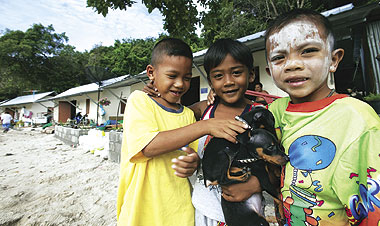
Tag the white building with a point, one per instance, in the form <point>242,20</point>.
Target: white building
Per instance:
<point>34,108</point>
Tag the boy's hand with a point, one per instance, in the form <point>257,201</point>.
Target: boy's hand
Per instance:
<point>227,129</point>
<point>241,191</point>
<point>151,90</point>
<point>211,97</point>
<point>185,165</point>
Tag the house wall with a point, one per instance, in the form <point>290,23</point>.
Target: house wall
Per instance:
<point>110,110</point>
<point>56,112</point>
<point>36,108</point>
<point>265,79</point>
<point>114,109</point>
<point>81,105</point>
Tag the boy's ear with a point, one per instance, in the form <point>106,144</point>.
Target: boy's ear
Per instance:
<point>251,77</point>
<point>337,56</point>
<point>149,72</point>
<point>267,70</point>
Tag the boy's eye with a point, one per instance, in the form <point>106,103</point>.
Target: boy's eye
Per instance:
<point>237,73</point>
<point>217,76</point>
<point>277,58</point>
<point>187,79</point>
<point>172,76</point>
<point>309,50</point>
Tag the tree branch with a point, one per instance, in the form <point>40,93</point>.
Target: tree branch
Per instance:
<point>274,8</point>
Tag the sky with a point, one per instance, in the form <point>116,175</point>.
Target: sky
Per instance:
<point>83,26</point>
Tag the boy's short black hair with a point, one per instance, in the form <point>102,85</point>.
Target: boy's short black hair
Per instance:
<point>170,47</point>
<point>302,14</point>
<point>219,50</point>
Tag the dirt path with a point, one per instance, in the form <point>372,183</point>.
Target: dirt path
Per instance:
<point>46,182</point>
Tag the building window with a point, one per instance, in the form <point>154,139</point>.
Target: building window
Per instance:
<point>122,106</point>
<point>87,106</point>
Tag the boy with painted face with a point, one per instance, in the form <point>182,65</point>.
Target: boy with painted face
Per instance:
<point>332,140</point>
<point>153,188</point>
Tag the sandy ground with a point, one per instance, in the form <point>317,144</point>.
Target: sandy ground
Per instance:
<point>46,182</point>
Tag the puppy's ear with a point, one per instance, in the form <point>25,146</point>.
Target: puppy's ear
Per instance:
<point>243,138</point>
<point>248,116</point>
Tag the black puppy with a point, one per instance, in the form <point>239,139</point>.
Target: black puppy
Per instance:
<point>226,163</point>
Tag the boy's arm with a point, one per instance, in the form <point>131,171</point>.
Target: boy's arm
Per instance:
<point>143,139</point>
<point>357,179</point>
<point>167,141</point>
<point>241,191</point>
<point>198,109</point>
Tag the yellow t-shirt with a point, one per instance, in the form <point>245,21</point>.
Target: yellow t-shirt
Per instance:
<point>149,192</point>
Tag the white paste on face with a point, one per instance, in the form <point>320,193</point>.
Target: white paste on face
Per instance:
<point>289,42</point>
<point>295,34</point>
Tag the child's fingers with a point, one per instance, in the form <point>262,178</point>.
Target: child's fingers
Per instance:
<point>233,129</point>
<point>211,97</point>
<point>229,135</point>
<point>241,191</point>
<point>237,126</point>
<point>183,172</point>
<point>188,150</point>
<point>151,90</point>
<point>185,166</point>
<point>190,161</point>
<point>227,129</point>
<point>183,169</point>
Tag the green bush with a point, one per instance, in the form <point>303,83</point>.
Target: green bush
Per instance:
<point>372,97</point>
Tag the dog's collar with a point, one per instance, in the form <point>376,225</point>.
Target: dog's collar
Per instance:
<point>248,160</point>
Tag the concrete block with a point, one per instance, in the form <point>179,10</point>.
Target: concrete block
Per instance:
<point>74,140</point>
<point>114,156</point>
<point>112,136</point>
<point>75,132</point>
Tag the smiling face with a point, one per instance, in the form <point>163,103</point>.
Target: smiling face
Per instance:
<point>230,80</point>
<point>300,60</point>
<point>258,88</point>
<point>171,76</point>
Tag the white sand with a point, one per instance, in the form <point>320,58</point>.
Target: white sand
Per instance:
<point>46,182</point>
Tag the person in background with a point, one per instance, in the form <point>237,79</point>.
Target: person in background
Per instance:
<point>259,88</point>
<point>6,120</point>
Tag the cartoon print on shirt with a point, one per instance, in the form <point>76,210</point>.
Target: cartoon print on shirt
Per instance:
<point>365,207</point>
<point>307,154</point>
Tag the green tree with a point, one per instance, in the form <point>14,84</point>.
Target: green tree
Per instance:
<point>224,18</point>
<point>131,56</point>
<point>37,59</point>
<point>180,15</point>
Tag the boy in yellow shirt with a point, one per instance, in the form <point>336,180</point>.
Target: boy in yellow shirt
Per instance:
<point>155,128</point>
